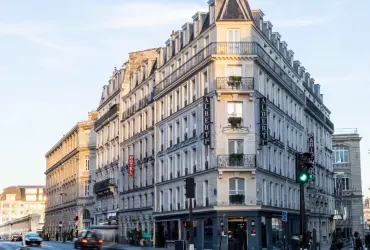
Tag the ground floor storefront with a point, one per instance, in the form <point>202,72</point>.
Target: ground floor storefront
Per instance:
<point>245,229</point>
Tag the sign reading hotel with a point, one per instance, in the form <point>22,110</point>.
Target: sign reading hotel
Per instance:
<point>131,165</point>
<point>207,119</point>
<point>263,121</point>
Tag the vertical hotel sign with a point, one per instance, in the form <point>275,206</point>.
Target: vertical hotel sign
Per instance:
<point>311,149</point>
<point>131,165</point>
<point>207,119</point>
<point>263,121</point>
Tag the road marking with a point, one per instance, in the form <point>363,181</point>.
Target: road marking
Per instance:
<point>47,246</point>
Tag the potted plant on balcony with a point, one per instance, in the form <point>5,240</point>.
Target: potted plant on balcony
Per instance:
<point>237,199</point>
<point>235,82</point>
<point>236,159</point>
<point>235,121</point>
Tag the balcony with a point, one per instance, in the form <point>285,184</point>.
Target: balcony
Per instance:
<point>237,199</point>
<point>235,84</point>
<point>237,161</point>
<point>344,165</point>
<point>240,49</point>
<point>105,187</point>
<point>314,110</point>
<point>111,112</point>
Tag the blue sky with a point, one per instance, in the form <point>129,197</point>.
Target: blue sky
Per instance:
<point>55,56</point>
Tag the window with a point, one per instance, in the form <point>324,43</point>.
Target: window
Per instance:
<point>340,154</point>
<point>345,183</point>
<point>236,146</point>
<point>233,71</point>
<point>236,191</point>
<point>235,109</point>
<point>87,163</point>
<point>233,38</point>
<point>87,188</point>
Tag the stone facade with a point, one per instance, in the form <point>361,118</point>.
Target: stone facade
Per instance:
<point>347,167</point>
<point>68,179</point>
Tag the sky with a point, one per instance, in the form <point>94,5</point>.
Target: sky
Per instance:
<point>55,57</point>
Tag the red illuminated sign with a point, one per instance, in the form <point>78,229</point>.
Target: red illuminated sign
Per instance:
<point>131,170</point>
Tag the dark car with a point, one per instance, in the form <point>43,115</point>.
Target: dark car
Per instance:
<point>89,239</point>
<point>33,238</point>
<point>16,238</point>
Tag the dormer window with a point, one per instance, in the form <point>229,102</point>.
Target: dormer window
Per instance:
<point>195,28</point>
<point>212,14</point>
<point>185,35</point>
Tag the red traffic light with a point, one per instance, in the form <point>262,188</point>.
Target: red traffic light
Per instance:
<point>185,224</point>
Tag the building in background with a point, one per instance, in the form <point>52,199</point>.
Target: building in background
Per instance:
<point>68,179</point>
<point>137,143</point>
<point>367,213</point>
<point>348,183</point>
<point>106,186</point>
<point>20,201</point>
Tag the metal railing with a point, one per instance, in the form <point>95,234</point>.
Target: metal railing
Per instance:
<point>225,83</point>
<point>228,48</point>
<point>244,161</point>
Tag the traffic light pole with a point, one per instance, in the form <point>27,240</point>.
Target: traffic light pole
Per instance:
<point>191,229</point>
<point>303,215</point>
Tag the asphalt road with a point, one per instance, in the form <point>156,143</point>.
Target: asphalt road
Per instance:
<point>7,245</point>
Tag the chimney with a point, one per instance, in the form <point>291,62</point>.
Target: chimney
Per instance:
<point>297,67</point>
<point>317,90</point>
<point>303,72</point>
<point>92,116</point>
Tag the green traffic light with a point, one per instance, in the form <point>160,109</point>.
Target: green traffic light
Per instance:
<point>310,176</point>
<point>303,177</point>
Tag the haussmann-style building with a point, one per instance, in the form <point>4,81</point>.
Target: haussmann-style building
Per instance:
<point>348,182</point>
<point>225,102</point>
<point>69,164</point>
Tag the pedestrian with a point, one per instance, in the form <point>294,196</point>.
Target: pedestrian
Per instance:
<point>367,240</point>
<point>358,241</point>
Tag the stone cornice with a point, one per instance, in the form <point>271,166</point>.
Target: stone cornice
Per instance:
<point>82,124</point>
<point>61,161</point>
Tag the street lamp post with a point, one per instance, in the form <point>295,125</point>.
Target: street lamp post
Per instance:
<point>222,232</point>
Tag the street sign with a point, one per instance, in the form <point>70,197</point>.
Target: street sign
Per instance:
<point>284,216</point>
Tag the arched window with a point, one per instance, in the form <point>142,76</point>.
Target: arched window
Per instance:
<point>237,191</point>
<point>341,154</point>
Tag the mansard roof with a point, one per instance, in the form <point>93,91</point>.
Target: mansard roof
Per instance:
<point>235,10</point>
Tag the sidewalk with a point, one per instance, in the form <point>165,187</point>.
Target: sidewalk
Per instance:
<point>112,245</point>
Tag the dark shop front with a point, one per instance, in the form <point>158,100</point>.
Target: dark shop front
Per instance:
<point>241,230</point>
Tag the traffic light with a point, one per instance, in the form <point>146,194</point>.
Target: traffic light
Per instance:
<point>307,239</point>
<point>189,187</point>
<point>185,224</point>
<point>303,166</point>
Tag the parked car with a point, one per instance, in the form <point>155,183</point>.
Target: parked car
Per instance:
<point>16,237</point>
<point>33,238</point>
<point>89,239</point>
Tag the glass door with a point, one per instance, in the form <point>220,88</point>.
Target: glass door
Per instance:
<point>233,39</point>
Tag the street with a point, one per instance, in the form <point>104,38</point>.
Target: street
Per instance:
<point>8,245</point>
<point>53,245</point>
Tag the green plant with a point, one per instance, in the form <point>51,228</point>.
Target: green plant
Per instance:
<point>235,81</point>
<point>235,121</point>
<point>236,159</point>
<point>237,198</point>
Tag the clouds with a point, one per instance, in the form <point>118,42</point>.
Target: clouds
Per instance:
<point>314,21</point>
<point>146,14</point>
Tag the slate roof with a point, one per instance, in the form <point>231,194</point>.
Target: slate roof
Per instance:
<point>235,10</point>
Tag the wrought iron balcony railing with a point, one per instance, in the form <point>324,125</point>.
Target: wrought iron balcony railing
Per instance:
<point>104,186</point>
<point>227,84</point>
<point>229,48</point>
<point>111,112</point>
<point>241,161</point>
